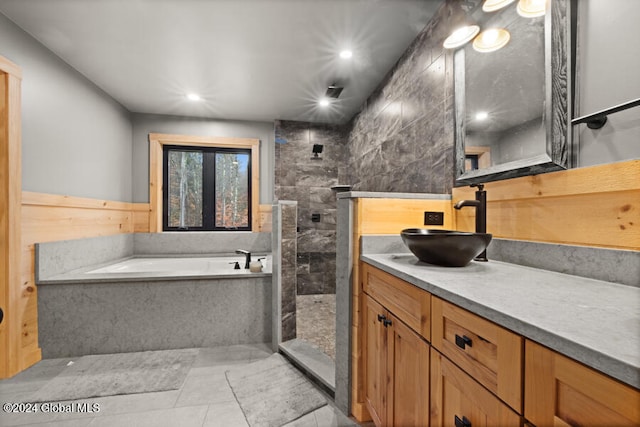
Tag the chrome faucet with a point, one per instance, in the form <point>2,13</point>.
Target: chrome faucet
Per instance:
<point>247,254</point>
<point>480,203</point>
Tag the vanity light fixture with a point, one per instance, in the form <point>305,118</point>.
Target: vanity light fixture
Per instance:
<point>493,5</point>
<point>491,40</point>
<point>531,8</point>
<point>461,36</point>
<point>193,97</point>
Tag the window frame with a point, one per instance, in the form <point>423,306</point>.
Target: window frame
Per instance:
<point>156,180</point>
<point>209,174</point>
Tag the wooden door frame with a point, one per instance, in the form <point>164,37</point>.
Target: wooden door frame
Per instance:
<point>10,212</point>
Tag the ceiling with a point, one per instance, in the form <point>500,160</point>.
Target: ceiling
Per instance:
<point>248,59</point>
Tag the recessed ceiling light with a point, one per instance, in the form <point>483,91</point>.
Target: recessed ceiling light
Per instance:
<point>482,115</point>
<point>324,102</point>
<point>461,36</point>
<point>346,54</point>
<point>193,97</point>
<point>491,40</point>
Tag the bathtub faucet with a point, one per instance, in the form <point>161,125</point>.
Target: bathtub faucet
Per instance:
<point>247,254</point>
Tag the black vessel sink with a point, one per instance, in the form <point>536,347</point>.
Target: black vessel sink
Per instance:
<point>445,247</point>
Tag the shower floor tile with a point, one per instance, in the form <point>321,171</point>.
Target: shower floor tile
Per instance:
<point>316,321</point>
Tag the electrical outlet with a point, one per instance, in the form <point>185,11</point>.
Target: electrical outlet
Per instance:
<point>434,218</point>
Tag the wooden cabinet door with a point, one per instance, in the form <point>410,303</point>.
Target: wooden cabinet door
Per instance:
<point>559,391</point>
<point>458,400</point>
<point>409,361</point>
<point>375,357</point>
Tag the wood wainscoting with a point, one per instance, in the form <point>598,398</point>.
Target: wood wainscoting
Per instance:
<point>592,206</point>
<point>50,217</point>
<point>10,193</point>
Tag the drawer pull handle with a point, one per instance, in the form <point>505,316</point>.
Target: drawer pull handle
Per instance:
<point>463,341</point>
<point>386,322</point>
<point>381,318</point>
<point>464,422</point>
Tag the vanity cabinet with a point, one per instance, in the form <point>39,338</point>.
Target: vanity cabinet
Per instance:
<point>458,400</point>
<point>559,391</point>
<point>431,362</point>
<point>489,353</point>
<point>396,316</point>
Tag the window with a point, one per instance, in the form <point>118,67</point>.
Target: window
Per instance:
<point>206,188</point>
<point>202,144</point>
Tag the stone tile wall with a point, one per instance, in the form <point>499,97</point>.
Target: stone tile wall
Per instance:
<point>288,214</point>
<point>403,139</point>
<point>309,182</point>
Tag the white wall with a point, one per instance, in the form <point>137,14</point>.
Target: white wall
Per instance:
<point>608,67</point>
<point>76,140</point>
<point>143,124</point>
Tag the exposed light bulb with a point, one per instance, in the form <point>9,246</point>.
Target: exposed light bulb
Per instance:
<point>193,97</point>
<point>493,5</point>
<point>324,102</point>
<point>531,8</point>
<point>346,54</point>
<point>492,39</point>
<point>461,36</point>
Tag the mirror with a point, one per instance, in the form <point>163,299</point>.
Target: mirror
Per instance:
<point>511,105</point>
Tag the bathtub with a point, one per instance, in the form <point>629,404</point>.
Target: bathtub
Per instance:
<point>154,303</point>
<point>201,266</point>
<point>143,268</point>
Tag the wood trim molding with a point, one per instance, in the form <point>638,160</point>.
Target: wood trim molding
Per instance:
<point>483,153</point>
<point>9,67</point>
<point>60,200</point>
<point>157,140</point>
<point>11,360</point>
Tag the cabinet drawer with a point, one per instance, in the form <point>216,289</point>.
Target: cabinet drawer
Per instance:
<point>489,353</point>
<point>559,391</point>
<point>407,302</point>
<point>456,399</point>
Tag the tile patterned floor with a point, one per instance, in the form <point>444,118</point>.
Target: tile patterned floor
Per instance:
<point>204,400</point>
<point>316,321</point>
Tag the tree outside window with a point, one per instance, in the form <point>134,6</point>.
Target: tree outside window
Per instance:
<point>206,188</point>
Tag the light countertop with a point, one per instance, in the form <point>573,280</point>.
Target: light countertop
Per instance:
<point>592,321</point>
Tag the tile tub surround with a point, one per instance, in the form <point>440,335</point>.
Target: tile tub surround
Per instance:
<point>581,318</point>
<point>54,258</point>
<point>97,318</point>
<point>57,258</point>
<point>201,242</point>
